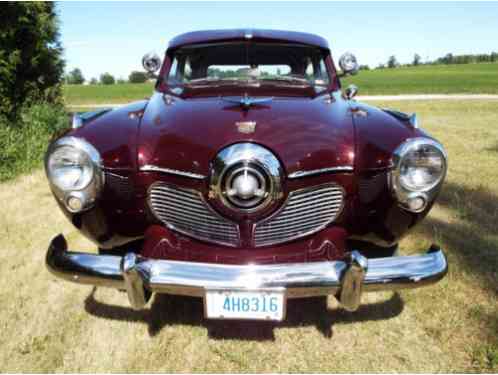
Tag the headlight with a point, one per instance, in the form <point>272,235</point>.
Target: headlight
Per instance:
<point>70,168</point>
<point>73,167</point>
<point>419,168</point>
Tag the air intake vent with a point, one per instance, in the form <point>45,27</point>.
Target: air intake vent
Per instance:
<point>305,212</point>
<point>186,211</point>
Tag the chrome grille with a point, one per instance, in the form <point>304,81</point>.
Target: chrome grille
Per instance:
<point>306,211</point>
<point>186,211</point>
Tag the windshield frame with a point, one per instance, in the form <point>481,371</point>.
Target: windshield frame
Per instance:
<point>165,86</point>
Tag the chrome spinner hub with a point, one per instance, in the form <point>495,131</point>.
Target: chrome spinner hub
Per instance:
<point>246,178</point>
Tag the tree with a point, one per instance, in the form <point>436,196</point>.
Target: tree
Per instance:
<point>107,79</point>
<point>392,62</point>
<point>137,77</point>
<point>75,77</point>
<point>416,59</point>
<point>94,81</point>
<point>364,67</point>
<point>31,64</point>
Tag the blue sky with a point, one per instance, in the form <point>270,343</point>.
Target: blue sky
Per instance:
<point>113,36</point>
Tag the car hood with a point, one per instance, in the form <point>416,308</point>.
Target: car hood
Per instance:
<point>304,133</point>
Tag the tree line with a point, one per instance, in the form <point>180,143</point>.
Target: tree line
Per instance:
<point>75,77</point>
<point>447,59</point>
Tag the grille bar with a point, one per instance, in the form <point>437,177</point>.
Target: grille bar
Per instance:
<point>186,211</point>
<point>305,212</point>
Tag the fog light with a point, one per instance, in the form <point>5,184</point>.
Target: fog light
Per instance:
<point>74,204</point>
<point>416,203</point>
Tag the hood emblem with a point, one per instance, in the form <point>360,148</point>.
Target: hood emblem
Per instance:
<point>246,127</point>
<point>246,101</point>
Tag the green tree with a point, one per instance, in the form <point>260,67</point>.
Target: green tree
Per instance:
<point>416,59</point>
<point>137,77</point>
<point>75,77</point>
<point>94,81</point>
<point>107,79</point>
<point>392,62</point>
<point>31,64</point>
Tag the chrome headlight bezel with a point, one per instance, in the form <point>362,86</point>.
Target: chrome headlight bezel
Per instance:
<point>88,191</point>
<point>406,194</point>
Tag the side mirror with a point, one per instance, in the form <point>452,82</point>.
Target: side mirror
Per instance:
<point>348,64</point>
<point>350,92</point>
<point>151,63</point>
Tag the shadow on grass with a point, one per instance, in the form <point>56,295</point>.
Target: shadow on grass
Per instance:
<point>470,237</point>
<point>493,148</point>
<point>177,310</point>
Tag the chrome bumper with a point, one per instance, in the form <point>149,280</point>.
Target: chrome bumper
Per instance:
<point>344,279</point>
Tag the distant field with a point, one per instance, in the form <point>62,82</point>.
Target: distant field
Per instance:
<point>438,79</point>
<point>435,79</point>
<point>95,94</point>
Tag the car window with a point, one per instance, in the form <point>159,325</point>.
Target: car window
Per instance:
<point>286,63</point>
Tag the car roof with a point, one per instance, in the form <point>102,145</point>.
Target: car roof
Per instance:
<point>227,35</point>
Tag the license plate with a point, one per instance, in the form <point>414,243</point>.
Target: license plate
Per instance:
<point>234,304</point>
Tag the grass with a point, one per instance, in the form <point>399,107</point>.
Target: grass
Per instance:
<point>430,79</point>
<point>24,142</point>
<point>97,94</point>
<point>49,325</point>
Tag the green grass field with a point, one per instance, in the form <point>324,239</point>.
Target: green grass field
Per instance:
<point>437,79</point>
<point>49,325</point>
<point>429,79</point>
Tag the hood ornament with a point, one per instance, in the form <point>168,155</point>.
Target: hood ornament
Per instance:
<point>246,101</point>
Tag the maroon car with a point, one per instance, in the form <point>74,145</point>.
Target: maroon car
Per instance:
<point>249,177</point>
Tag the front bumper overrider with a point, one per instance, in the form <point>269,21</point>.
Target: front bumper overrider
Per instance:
<point>344,279</point>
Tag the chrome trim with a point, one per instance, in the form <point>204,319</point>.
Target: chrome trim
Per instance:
<point>190,214</point>
<point>352,281</point>
<point>154,168</point>
<point>139,276</point>
<point>350,92</point>
<point>306,211</point>
<point>88,193</point>
<point>250,156</point>
<point>413,120</point>
<point>77,121</point>
<point>342,168</point>
<point>246,101</point>
<point>402,193</point>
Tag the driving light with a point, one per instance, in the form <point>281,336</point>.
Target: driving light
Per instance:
<point>74,204</point>
<point>74,166</point>
<point>419,167</point>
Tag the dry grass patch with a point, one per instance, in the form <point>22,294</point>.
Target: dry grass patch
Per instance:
<point>51,325</point>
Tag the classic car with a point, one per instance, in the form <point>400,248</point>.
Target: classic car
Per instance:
<point>250,176</point>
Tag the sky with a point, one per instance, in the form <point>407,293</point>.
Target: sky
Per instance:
<point>112,37</point>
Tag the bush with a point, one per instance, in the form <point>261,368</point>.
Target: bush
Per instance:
<point>31,64</point>
<point>107,79</point>
<point>24,143</point>
<point>137,77</point>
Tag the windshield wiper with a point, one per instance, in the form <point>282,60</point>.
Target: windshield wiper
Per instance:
<point>218,81</point>
<point>287,79</point>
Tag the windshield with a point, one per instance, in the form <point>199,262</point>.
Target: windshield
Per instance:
<point>248,62</point>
